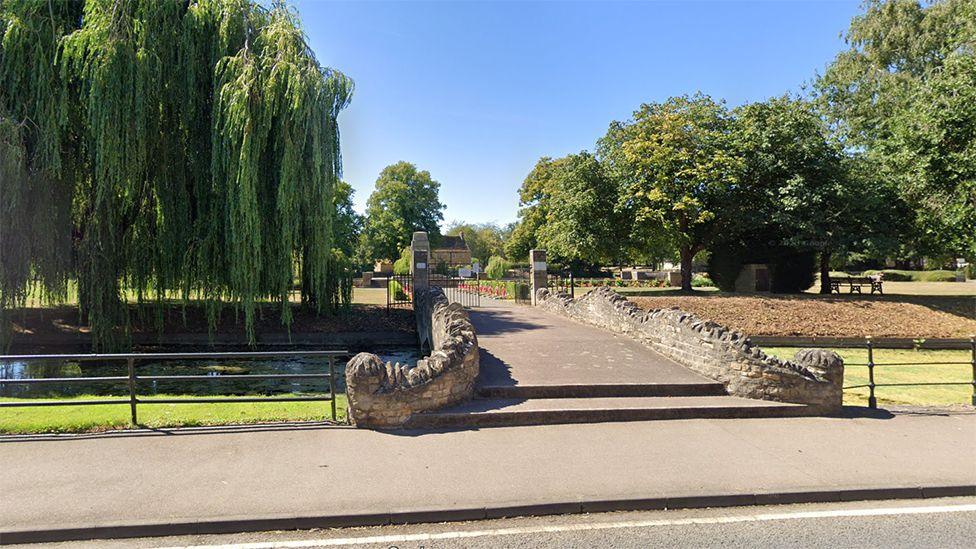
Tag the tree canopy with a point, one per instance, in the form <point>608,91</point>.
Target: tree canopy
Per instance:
<point>569,208</point>
<point>904,93</point>
<point>804,192</point>
<point>677,168</point>
<point>166,148</point>
<point>347,224</point>
<point>405,200</point>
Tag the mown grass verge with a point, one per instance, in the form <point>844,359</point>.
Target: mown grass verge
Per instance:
<point>923,372</point>
<point>105,417</point>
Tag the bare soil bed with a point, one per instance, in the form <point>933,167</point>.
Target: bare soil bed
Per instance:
<point>838,316</point>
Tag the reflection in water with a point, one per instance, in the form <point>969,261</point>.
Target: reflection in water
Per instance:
<point>215,368</point>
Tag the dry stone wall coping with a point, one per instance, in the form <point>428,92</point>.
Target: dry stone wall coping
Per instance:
<point>385,395</point>
<point>814,377</point>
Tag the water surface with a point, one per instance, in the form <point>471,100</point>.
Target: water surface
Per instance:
<point>214,368</point>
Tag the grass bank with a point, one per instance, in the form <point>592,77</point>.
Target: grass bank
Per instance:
<point>922,372</point>
<point>105,417</point>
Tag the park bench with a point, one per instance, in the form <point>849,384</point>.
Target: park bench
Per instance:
<point>856,283</point>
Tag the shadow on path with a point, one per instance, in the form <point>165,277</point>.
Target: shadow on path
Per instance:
<point>494,371</point>
<point>490,322</point>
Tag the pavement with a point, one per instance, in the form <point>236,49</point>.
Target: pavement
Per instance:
<point>522,345</point>
<point>275,477</point>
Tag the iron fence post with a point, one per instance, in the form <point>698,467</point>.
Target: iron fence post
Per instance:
<point>572,285</point>
<point>872,400</point>
<point>972,346</point>
<point>130,362</point>
<point>332,385</point>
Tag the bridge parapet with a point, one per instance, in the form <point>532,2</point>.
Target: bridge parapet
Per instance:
<point>814,377</point>
<point>387,394</point>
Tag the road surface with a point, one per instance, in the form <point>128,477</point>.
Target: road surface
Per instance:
<point>908,523</point>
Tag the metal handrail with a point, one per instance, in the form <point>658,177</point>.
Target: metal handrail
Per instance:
<point>871,365</point>
<point>133,380</point>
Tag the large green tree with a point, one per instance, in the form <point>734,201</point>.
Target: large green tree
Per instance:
<point>802,189</point>
<point>347,224</point>
<point>569,208</point>
<point>166,148</point>
<point>904,93</point>
<point>405,200</point>
<point>581,224</point>
<point>533,207</point>
<point>677,167</point>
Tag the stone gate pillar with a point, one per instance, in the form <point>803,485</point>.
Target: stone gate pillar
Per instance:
<point>537,265</point>
<point>420,260</point>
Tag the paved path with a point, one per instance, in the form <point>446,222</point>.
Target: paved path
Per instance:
<point>524,345</point>
<point>210,474</point>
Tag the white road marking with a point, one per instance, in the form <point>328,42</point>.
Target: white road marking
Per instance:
<point>463,534</point>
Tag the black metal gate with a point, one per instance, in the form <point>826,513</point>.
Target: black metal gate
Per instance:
<point>465,291</point>
<point>522,288</point>
<point>399,291</point>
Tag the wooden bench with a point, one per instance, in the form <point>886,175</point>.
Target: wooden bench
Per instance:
<point>856,283</point>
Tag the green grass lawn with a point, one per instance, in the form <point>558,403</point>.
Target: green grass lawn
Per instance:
<point>73,419</point>
<point>924,372</point>
<point>369,296</point>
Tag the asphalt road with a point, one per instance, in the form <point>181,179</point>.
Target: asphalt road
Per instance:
<point>910,523</point>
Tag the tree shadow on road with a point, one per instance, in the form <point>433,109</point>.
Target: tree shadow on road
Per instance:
<point>491,322</point>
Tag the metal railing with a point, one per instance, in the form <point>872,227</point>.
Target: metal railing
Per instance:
<point>562,282</point>
<point>871,365</point>
<point>465,291</point>
<point>399,291</point>
<point>133,380</point>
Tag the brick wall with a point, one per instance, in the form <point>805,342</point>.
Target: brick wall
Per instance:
<point>814,377</point>
<point>386,394</point>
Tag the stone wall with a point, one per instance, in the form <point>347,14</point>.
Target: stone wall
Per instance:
<point>386,395</point>
<point>814,377</point>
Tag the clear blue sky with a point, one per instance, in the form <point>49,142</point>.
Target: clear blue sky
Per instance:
<point>477,92</point>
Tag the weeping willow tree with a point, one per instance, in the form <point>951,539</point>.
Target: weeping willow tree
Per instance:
<point>172,148</point>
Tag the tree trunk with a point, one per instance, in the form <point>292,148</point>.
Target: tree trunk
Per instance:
<point>825,272</point>
<point>687,254</point>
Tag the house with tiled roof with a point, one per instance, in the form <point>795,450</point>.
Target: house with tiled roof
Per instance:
<point>452,251</point>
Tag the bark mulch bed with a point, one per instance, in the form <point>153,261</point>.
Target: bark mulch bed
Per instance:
<point>812,315</point>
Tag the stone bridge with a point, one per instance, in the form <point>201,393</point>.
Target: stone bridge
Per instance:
<point>596,358</point>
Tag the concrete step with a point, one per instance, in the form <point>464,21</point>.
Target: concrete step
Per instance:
<point>601,390</point>
<point>482,412</point>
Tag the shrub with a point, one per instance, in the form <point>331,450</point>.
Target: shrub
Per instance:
<point>895,275</point>
<point>792,273</point>
<point>936,276</point>
<point>402,266</point>
<point>442,268</point>
<point>497,267</point>
<point>724,265</point>
<point>891,275</point>
<point>700,281</point>
<point>397,291</point>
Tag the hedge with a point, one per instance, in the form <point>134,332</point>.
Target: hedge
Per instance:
<point>895,275</point>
